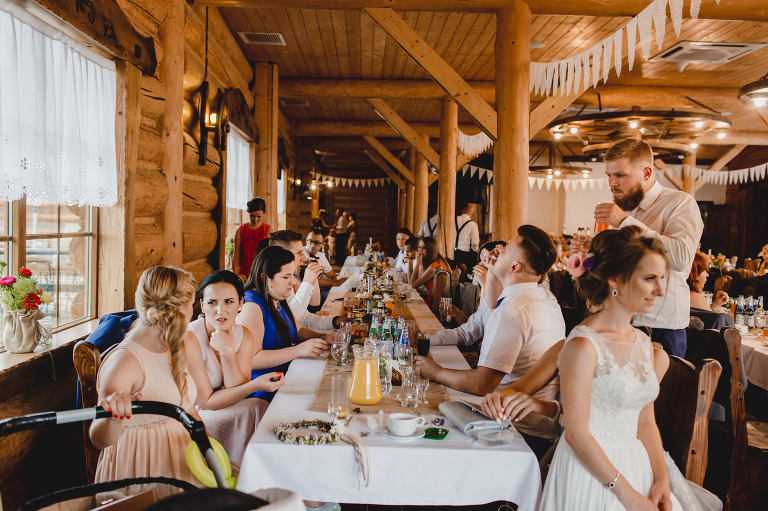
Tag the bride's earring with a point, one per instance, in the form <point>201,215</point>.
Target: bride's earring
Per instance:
<point>615,292</point>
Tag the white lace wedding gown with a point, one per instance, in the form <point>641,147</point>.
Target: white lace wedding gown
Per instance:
<point>623,383</point>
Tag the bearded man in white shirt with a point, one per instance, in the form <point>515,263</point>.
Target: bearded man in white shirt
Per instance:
<point>671,216</point>
<point>401,261</point>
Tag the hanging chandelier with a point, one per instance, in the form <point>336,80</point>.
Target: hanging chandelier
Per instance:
<point>756,93</point>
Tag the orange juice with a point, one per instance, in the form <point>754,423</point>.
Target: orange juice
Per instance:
<point>365,388</point>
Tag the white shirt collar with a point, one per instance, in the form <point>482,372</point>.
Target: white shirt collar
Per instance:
<point>516,289</point>
<point>650,197</point>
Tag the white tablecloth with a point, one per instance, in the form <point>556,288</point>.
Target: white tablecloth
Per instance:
<point>754,352</point>
<point>453,471</point>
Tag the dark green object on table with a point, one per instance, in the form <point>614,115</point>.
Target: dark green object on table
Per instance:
<point>435,433</point>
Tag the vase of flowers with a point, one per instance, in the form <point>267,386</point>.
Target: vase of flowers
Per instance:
<point>21,298</point>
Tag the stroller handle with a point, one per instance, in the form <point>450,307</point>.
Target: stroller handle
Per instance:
<point>195,427</point>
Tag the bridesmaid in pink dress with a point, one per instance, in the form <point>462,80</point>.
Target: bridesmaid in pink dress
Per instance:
<point>150,365</point>
<point>248,237</point>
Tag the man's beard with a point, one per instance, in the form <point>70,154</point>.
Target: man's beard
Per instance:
<point>632,199</point>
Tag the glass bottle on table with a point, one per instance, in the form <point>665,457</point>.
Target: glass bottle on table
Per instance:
<point>749,313</point>
<point>739,316</point>
<point>759,317</point>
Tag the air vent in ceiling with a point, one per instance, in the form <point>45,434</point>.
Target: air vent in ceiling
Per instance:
<point>294,102</point>
<point>686,52</point>
<point>273,38</point>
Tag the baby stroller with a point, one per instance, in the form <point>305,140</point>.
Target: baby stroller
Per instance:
<point>91,496</point>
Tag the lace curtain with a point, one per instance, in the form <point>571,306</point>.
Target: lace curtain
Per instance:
<point>238,172</point>
<point>57,115</point>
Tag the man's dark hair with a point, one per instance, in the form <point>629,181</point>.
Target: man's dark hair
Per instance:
<point>284,238</point>
<point>316,231</point>
<point>412,243</point>
<point>537,248</point>
<point>404,230</point>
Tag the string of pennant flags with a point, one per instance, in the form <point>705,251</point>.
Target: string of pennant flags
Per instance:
<point>351,182</point>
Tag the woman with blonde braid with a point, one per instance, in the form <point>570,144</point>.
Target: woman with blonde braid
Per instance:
<point>150,364</point>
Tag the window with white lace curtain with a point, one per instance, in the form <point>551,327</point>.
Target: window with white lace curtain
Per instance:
<point>238,182</point>
<point>58,159</point>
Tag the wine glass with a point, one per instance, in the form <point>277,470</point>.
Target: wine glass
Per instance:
<point>423,386</point>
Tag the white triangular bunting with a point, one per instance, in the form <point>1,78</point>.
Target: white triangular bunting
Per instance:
<point>549,183</point>
<point>644,28</point>
<point>676,12</point>
<point>631,42</point>
<point>660,20</point>
<point>585,65</point>
<point>531,182</point>
<point>489,175</point>
<point>617,57</point>
<point>482,171</point>
<point>472,170</point>
<point>577,73</point>
<point>695,6</point>
<point>607,48</point>
<point>596,51</point>
<point>563,71</point>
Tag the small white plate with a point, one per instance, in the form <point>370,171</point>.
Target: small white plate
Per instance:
<point>419,433</point>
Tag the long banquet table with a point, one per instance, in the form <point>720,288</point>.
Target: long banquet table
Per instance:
<point>754,353</point>
<point>454,471</point>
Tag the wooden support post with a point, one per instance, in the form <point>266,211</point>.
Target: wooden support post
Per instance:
<point>410,190</point>
<point>689,179</point>
<point>266,113</point>
<point>421,195</point>
<point>513,35</point>
<point>172,76</point>
<point>446,187</point>
<point>401,198</point>
<point>315,209</point>
<point>117,251</point>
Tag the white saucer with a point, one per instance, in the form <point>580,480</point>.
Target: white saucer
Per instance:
<point>419,433</point>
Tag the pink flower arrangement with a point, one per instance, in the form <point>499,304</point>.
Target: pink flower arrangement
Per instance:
<point>7,281</point>
<point>575,265</point>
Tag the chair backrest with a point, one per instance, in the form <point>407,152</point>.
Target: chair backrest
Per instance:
<point>725,347</point>
<point>556,278</point>
<point>682,413</point>
<point>695,323</point>
<point>439,282</point>
<point>723,283</point>
<point>455,277</point>
<point>751,264</point>
<point>735,276</point>
<point>572,316</point>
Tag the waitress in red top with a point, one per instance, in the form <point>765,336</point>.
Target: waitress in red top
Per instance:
<point>248,236</point>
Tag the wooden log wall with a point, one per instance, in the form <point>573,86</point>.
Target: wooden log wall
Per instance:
<point>201,208</point>
<point>376,212</point>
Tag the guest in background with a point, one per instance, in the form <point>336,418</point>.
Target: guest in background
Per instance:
<point>248,236</point>
<point>411,254</point>
<point>352,234</point>
<point>314,252</point>
<point>428,227</point>
<point>763,258</point>
<point>150,364</point>
<point>219,357</point>
<point>467,241</point>
<point>428,262</point>
<point>331,245</point>
<point>401,264</point>
<point>306,282</point>
<point>278,337</point>
<point>671,216</point>
<point>341,235</point>
<point>714,315</point>
<point>319,221</point>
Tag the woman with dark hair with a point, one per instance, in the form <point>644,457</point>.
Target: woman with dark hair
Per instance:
<point>696,280</point>
<point>249,235</point>
<point>612,456</point>
<point>278,337</point>
<point>219,353</point>
<point>428,262</point>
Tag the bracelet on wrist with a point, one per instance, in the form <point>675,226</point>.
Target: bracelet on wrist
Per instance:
<point>612,484</point>
<point>559,411</point>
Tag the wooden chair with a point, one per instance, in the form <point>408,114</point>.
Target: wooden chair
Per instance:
<point>695,323</point>
<point>723,283</point>
<point>439,281</point>
<point>727,439</point>
<point>751,264</point>
<point>455,278</point>
<point>682,413</point>
<point>87,360</point>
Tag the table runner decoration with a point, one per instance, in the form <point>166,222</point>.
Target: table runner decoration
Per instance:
<point>435,394</point>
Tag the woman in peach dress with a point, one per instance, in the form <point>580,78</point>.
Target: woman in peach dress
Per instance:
<point>149,365</point>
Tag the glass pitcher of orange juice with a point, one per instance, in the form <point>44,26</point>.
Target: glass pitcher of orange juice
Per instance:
<point>365,388</point>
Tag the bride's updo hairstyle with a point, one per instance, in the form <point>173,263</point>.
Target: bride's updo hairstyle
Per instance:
<point>160,295</point>
<point>614,254</point>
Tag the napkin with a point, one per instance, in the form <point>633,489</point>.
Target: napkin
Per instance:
<point>469,419</point>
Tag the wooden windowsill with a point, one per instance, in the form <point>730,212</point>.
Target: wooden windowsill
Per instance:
<point>65,337</point>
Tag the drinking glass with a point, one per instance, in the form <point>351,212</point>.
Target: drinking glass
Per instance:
<point>707,295</point>
<point>422,344</point>
<point>601,226</point>
<point>423,386</point>
<point>339,395</point>
<point>404,357</point>
<point>409,395</point>
<point>445,309</point>
<point>339,353</point>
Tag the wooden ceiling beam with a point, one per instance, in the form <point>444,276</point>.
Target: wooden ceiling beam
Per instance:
<point>390,158</point>
<point>462,159</point>
<point>404,129</point>
<point>745,10</point>
<point>423,54</point>
<point>726,158</point>
<point>386,89</point>
<point>385,167</point>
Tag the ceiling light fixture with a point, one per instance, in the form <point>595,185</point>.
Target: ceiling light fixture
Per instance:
<point>558,136</point>
<point>557,172</point>
<point>721,134</point>
<point>633,124</point>
<point>574,130</point>
<point>329,184</point>
<point>694,145</point>
<point>313,187</point>
<point>755,93</point>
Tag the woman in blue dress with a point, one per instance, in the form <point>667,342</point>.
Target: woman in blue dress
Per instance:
<point>278,336</point>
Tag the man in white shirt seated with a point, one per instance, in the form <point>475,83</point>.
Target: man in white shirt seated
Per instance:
<point>314,253</point>
<point>308,289</point>
<point>401,261</point>
<point>525,322</point>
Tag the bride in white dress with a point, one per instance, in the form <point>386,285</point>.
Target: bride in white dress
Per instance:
<point>612,457</point>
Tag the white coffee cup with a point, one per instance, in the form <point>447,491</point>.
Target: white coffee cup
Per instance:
<point>403,424</point>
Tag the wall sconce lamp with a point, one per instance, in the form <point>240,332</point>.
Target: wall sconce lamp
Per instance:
<point>755,94</point>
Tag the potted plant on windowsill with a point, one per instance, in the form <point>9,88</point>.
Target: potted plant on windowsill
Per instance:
<point>21,298</point>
